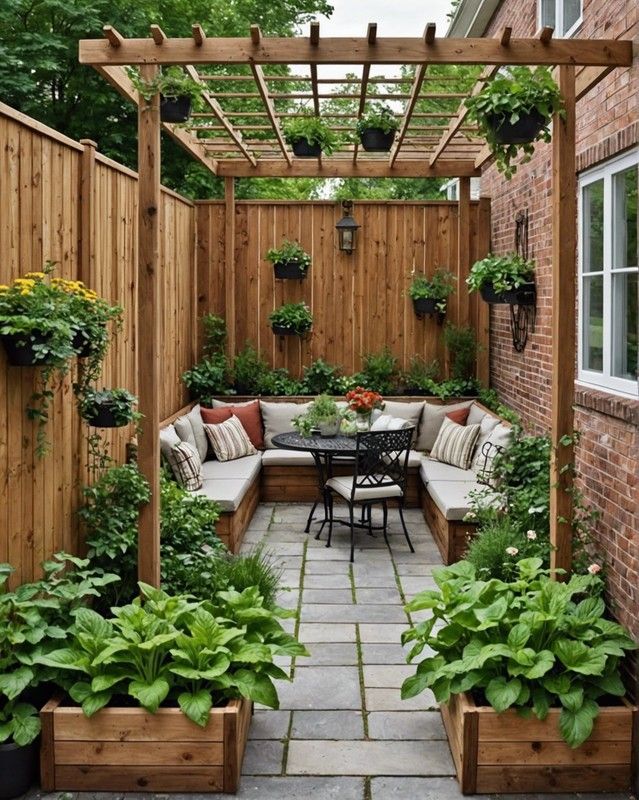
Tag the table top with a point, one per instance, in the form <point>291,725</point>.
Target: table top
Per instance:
<point>317,444</point>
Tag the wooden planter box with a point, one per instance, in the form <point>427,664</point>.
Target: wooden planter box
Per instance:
<point>505,753</point>
<point>130,750</point>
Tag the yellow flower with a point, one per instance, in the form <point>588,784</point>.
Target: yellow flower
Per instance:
<point>38,275</point>
<point>25,291</point>
<point>4,287</point>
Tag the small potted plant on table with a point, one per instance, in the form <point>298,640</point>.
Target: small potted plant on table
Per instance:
<point>109,408</point>
<point>430,295</point>
<point>513,111</point>
<point>323,416</point>
<point>290,260</point>
<point>177,91</point>
<point>291,319</point>
<point>503,279</point>
<point>377,128</point>
<point>309,136</point>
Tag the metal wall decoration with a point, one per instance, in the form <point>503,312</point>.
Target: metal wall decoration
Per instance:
<point>523,314</point>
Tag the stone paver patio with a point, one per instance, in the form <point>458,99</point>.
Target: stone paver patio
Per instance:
<point>343,732</point>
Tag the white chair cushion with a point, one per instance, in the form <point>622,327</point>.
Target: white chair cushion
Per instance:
<point>228,493</point>
<point>246,468</point>
<point>287,458</point>
<point>343,485</point>
<point>432,418</point>
<point>278,418</point>
<point>432,470</point>
<point>451,497</point>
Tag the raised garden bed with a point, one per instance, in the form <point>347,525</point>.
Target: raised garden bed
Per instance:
<point>130,750</point>
<point>505,753</point>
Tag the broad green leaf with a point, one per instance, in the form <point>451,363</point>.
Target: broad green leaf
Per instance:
<point>611,684</point>
<point>150,695</point>
<point>252,653</point>
<point>573,699</point>
<point>543,664</point>
<point>493,613</point>
<point>94,702</point>
<point>501,694</point>
<point>14,682</point>
<point>577,657</point>
<point>258,687</point>
<point>541,702</point>
<point>80,691</point>
<point>102,682</point>
<point>519,636</point>
<point>6,728</point>
<point>26,724</point>
<point>65,658</point>
<point>196,706</point>
<point>576,726</point>
<point>415,685</point>
<point>590,609</point>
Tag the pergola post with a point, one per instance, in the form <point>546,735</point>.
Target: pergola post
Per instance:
<point>229,259</point>
<point>564,250</point>
<point>148,328</point>
<point>464,234</point>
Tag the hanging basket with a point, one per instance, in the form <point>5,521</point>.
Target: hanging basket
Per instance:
<point>282,330</point>
<point>175,109</point>
<point>425,305</point>
<point>489,295</point>
<point>21,349</point>
<point>374,140</point>
<point>103,415</point>
<point>83,345</point>
<point>302,148</point>
<point>289,270</point>
<point>521,132</point>
<point>524,295</point>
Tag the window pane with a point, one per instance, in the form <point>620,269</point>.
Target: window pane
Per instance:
<point>572,12</point>
<point>593,323</point>
<point>593,198</point>
<point>625,325</point>
<point>625,219</point>
<point>548,12</point>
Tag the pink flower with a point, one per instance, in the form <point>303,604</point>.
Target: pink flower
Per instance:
<point>512,551</point>
<point>593,569</point>
<point>531,535</point>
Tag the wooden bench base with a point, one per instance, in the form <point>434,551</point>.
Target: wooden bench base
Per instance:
<point>450,537</point>
<point>232,525</point>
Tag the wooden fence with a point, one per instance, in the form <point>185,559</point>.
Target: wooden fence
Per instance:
<point>60,200</point>
<point>359,302</point>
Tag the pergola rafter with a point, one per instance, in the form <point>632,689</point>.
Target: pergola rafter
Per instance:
<point>447,150</point>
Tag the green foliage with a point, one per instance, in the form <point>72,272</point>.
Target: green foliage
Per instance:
<point>255,568</point>
<point>33,620</point>
<point>162,649</point>
<point>379,116</point>
<point>119,402</point>
<point>501,544</point>
<point>514,93</point>
<point>279,382</point>
<point>289,251</point>
<point>249,371</point>
<point>421,375</point>
<point>215,334</point>
<point>314,130</point>
<point>505,273</point>
<point>532,643</point>
<point>439,287</point>
<point>380,372</point>
<point>490,399</point>
<point>323,409</point>
<point>461,343</point>
<point>322,378</point>
<point>296,316</point>
<point>170,82</point>
<point>208,378</point>
<point>456,387</point>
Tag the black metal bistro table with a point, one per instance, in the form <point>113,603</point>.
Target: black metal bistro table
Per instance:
<point>325,450</point>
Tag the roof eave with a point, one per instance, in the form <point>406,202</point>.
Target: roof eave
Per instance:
<point>472,18</point>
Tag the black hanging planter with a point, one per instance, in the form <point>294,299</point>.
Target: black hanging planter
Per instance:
<point>103,415</point>
<point>83,345</point>
<point>425,305</point>
<point>289,270</point>
<point>175,109</point>
<point>20,349</point>
<point>524,295</point>
<point>521,132</point>
<point>374,140</point>
<point>304,149</point>
<point>281,330</point>
<point>489,295</point>
<point>18,768</point>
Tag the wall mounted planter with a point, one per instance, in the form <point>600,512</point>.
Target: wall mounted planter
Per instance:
<point>521,132</point>
<point>175,109</point>
<point>374,140</point>
<point>304,149</point>
<point>103,416</point>
<point>289,270</point>
<point>281,330</point>
<point>20,349</point>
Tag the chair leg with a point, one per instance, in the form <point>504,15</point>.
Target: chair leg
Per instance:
<point>329,500</point>
<point>400,505</point>
<point>385,520</point>
<point>369,510</point>
<point>350,509</point>
<point>310,518</point>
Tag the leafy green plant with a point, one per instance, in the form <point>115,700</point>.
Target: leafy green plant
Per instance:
<point>380,372</point>
<point>278,382</point>
<point>456,387</point>
<point>516,92</point>
<point>163,649</point>
<point>254,568</point>
<point>208,378</point>
<point>295,316</point>
<point>462,346</point>
<point>314,130</point>
<point>501,544</point>
<point>321,378</point>
<point>438,287</point>
<point>322,410</point>
<point>119,402</point>
<point>289,251</point>
<point>504,273</point>
<point>490,399</point>
<point>379,116</point>
<point>249,370</point>
<point>531,643</point>
<point>215,334</point>
<point>170,82</point>
<point>421,375</point>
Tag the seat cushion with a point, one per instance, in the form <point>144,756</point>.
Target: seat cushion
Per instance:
<point>432,418</point>
<point>247,413</point>
<point>343,485</point>
<point>451,497</point>
<point>414,459</point>
<point>287,458</point>
<point>278,418</point>
<point>432,470</point>
<point>229,493</point>
<point>246,468</point>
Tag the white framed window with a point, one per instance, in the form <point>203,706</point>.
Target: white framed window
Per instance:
<point>564,16</point>
<point>608,275</point>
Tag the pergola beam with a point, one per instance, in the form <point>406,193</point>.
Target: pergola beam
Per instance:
<point>314,39</point>
<point>344,168</point>
<point>260,81</point>
<point>357,50</point>
<point>371,36</point>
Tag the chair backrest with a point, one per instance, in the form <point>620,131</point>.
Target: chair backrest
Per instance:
<point>382,459</point>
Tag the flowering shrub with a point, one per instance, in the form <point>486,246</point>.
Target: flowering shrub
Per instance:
<point>363,401</point>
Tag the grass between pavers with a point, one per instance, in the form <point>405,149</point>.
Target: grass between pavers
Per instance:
<point>362,687</point>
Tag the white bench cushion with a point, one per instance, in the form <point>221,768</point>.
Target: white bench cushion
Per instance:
<point>451,497</point>
<point>245,468</point>
<point>287,458</point>
<point>229,493</point>
<point>344,485</point>
<point>432,470</point>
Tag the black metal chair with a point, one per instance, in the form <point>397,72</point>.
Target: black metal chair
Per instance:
<point>380,475</point>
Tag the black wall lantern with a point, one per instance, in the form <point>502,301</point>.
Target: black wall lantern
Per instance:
<point>347,228</point>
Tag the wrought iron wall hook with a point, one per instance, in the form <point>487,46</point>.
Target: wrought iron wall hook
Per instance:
<point>523,313</point>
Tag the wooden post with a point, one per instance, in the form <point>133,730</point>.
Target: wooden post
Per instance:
<point>148,328</point>
<point>463,250</point>
<point>564,247</point>
<point>229,260</point>
<point>482,308</point>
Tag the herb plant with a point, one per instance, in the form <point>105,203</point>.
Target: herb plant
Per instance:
<point>170,82</point>
<point>249,371</point>
<point>295,316</point>
<point>531,644</point>
<point>420,376</point>
<point>501,544</point>
<point>461,343</point>
<point>289,251</point>
<point>513,94</point>
<point>439,287</point>
<point>378,116</point>
<point>323,409</point>
<point>279,382</point>
<point>505,273</point>
<point>314,130</point>
<point>215,334</point>
<point>321,378</point>
<point>208,378</point>
<point>380,372</point>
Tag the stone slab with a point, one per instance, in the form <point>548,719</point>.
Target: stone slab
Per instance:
<point>382,594</point>
<point>322,688</point>
<point>391,700</point>
<point>383,653</point>
<point>387,676</point>
<point>341,581</point>
<point>263,757</point>
<point>406,725</point>
<point>330,612</point>
<point>324,596</point>
<point>383,633</point>
<point>423,788</point>
<point>326,632</point>
<point>337,725</point>
<point>326,653</point>
<point>270,724</point>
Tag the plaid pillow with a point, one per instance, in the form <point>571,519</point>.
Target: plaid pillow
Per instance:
<point>455,444</point>
<point>186,465</point>
<point>229,440</point>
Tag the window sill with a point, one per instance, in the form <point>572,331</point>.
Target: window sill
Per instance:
<point>612,405</point>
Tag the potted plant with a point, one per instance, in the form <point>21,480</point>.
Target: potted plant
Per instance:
<point>362,402</point>
<point>291,319</point>
<point>503,279</point>
<point>191,668</point>
<point>531,655</point>
<point>421,377</point>
<point>513,111</point>
<point>177,92</point>
<point>109,408</point>
<point>289,261</point>
<point>323,417</point>
<point>377,128</point>
<point>309,136</point>
<point>430,295</point>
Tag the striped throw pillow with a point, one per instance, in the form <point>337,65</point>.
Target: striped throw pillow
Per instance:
<point>186,464</point>
<point>229,440</point>
<point>455,444</point>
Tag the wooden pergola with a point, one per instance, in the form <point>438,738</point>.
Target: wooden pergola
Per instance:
<point>437,144</point>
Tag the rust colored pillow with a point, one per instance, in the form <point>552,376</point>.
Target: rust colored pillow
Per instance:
<point>459,416</point>
<point>248,415</point>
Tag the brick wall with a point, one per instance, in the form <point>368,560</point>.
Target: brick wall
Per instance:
<point>608,456</point>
